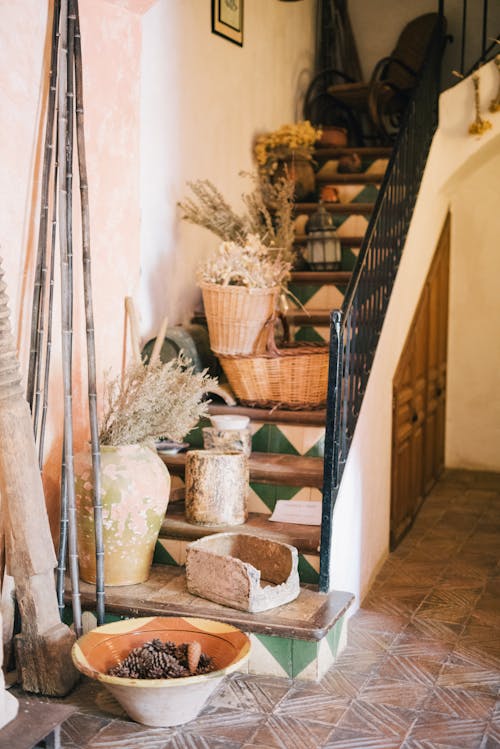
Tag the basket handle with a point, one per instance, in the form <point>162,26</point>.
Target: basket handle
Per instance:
<point>271,347</point>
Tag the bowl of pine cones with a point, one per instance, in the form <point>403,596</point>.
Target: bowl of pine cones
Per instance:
<point>162,670</point>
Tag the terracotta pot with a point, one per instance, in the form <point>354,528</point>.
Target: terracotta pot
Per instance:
<point>333,137</point>
<point>161,702</point>
<point>300,169</point>
<point>135,487</point>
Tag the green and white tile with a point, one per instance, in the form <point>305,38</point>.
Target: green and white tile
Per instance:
<point>288,439</point>
<point>311,333</point>
<point>314,296</point>
<point>292,658</point>
<point>170,551</point>
<point>309,568</point>
<point>263,497</point>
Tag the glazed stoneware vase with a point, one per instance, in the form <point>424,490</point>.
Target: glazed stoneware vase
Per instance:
<point>135,487</point>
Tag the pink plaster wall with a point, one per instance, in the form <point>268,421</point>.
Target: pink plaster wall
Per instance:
<point>111,42</point>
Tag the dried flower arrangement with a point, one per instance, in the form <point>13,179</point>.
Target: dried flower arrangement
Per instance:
<point>208,208</point>
<point>162,399</point>
<point>250,264</point>
<point>270,148</point>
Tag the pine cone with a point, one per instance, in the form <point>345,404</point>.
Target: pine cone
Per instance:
<point>193,656</point>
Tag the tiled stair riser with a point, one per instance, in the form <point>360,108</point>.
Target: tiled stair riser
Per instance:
<point>297,659</point>
<point>290,439</point>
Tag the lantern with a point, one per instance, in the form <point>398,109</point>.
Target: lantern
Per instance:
<point>324,249</point>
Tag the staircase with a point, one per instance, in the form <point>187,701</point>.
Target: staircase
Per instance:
<point>302,638</point>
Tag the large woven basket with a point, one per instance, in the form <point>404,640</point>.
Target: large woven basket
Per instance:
<point>294,376</point>
<point>236,317</point>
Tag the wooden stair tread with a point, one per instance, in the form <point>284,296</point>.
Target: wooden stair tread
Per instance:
<point>321,276</point>
<point>312,317</point>
<point>309,617</point>
<point>381,152</point>
<point>268,468</point>
<point>305,538</point>
<point>355,178</point>
<point>344,241</point>
<point>351,208</point>
<point>302,418</point>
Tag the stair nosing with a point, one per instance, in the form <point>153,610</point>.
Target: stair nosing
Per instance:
<point>179,529</point>
<point>333,606</point>
<point>313,478</point>
<point>302,418</point>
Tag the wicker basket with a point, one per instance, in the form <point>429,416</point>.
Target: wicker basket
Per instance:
<point>236,317</point>
<point>294,376</point>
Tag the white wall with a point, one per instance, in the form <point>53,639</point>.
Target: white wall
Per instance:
<point>473,413</point>
<point>361,516</point>
<point>203,100</point>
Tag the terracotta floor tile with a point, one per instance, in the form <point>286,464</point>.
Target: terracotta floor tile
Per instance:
<point>460,703</point>
<point>378,720</point>
<point>340,738</point>
<point>282,732</point>
<point>383,691</point>
<point>313,706</point>
<point>446,731</point>
<point>473,678</point>
<point>416,670</point>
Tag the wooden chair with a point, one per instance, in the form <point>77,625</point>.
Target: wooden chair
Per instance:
<point>379,103</point>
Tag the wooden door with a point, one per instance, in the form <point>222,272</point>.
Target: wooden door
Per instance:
<point>438,346</point>
<point>419,397</point>
<point>409,402</point>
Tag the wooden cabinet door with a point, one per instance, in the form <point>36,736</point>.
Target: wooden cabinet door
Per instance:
<point>419,396</point>
<point>436,376</point>
<point>409,401</point>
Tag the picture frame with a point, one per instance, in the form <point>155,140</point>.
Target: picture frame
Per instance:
<point>227,20</point>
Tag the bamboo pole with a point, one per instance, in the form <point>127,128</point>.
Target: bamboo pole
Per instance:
<point>89,321</point>
<point>38,304</point>
<point>48,347</point>
<point>66,306</point>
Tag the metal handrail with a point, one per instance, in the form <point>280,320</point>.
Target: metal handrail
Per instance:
<point>356,327</point>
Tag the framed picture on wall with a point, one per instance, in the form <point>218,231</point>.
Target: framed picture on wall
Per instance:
<point>227,19</point>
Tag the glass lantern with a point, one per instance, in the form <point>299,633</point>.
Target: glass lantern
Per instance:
<point>324,249</point>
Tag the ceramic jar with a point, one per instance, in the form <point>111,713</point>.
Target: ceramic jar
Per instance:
<point>135,487</point>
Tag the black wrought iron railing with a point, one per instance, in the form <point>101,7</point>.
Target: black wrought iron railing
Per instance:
<point>356,327</point>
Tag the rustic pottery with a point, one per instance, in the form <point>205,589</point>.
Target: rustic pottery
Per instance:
<point>135,486</point>
<point>298,166</point>
<point>243,571</point>
<point>333,136</point>
<point>216,488</point>
<point>161,702</point>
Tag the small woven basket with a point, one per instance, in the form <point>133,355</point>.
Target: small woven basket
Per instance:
<point>294,376</point>
<point>236,316</point>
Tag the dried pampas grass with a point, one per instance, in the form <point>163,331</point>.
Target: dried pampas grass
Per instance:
<point>161,400</point>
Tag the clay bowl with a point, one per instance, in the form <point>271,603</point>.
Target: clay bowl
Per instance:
<point>160,702</point>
